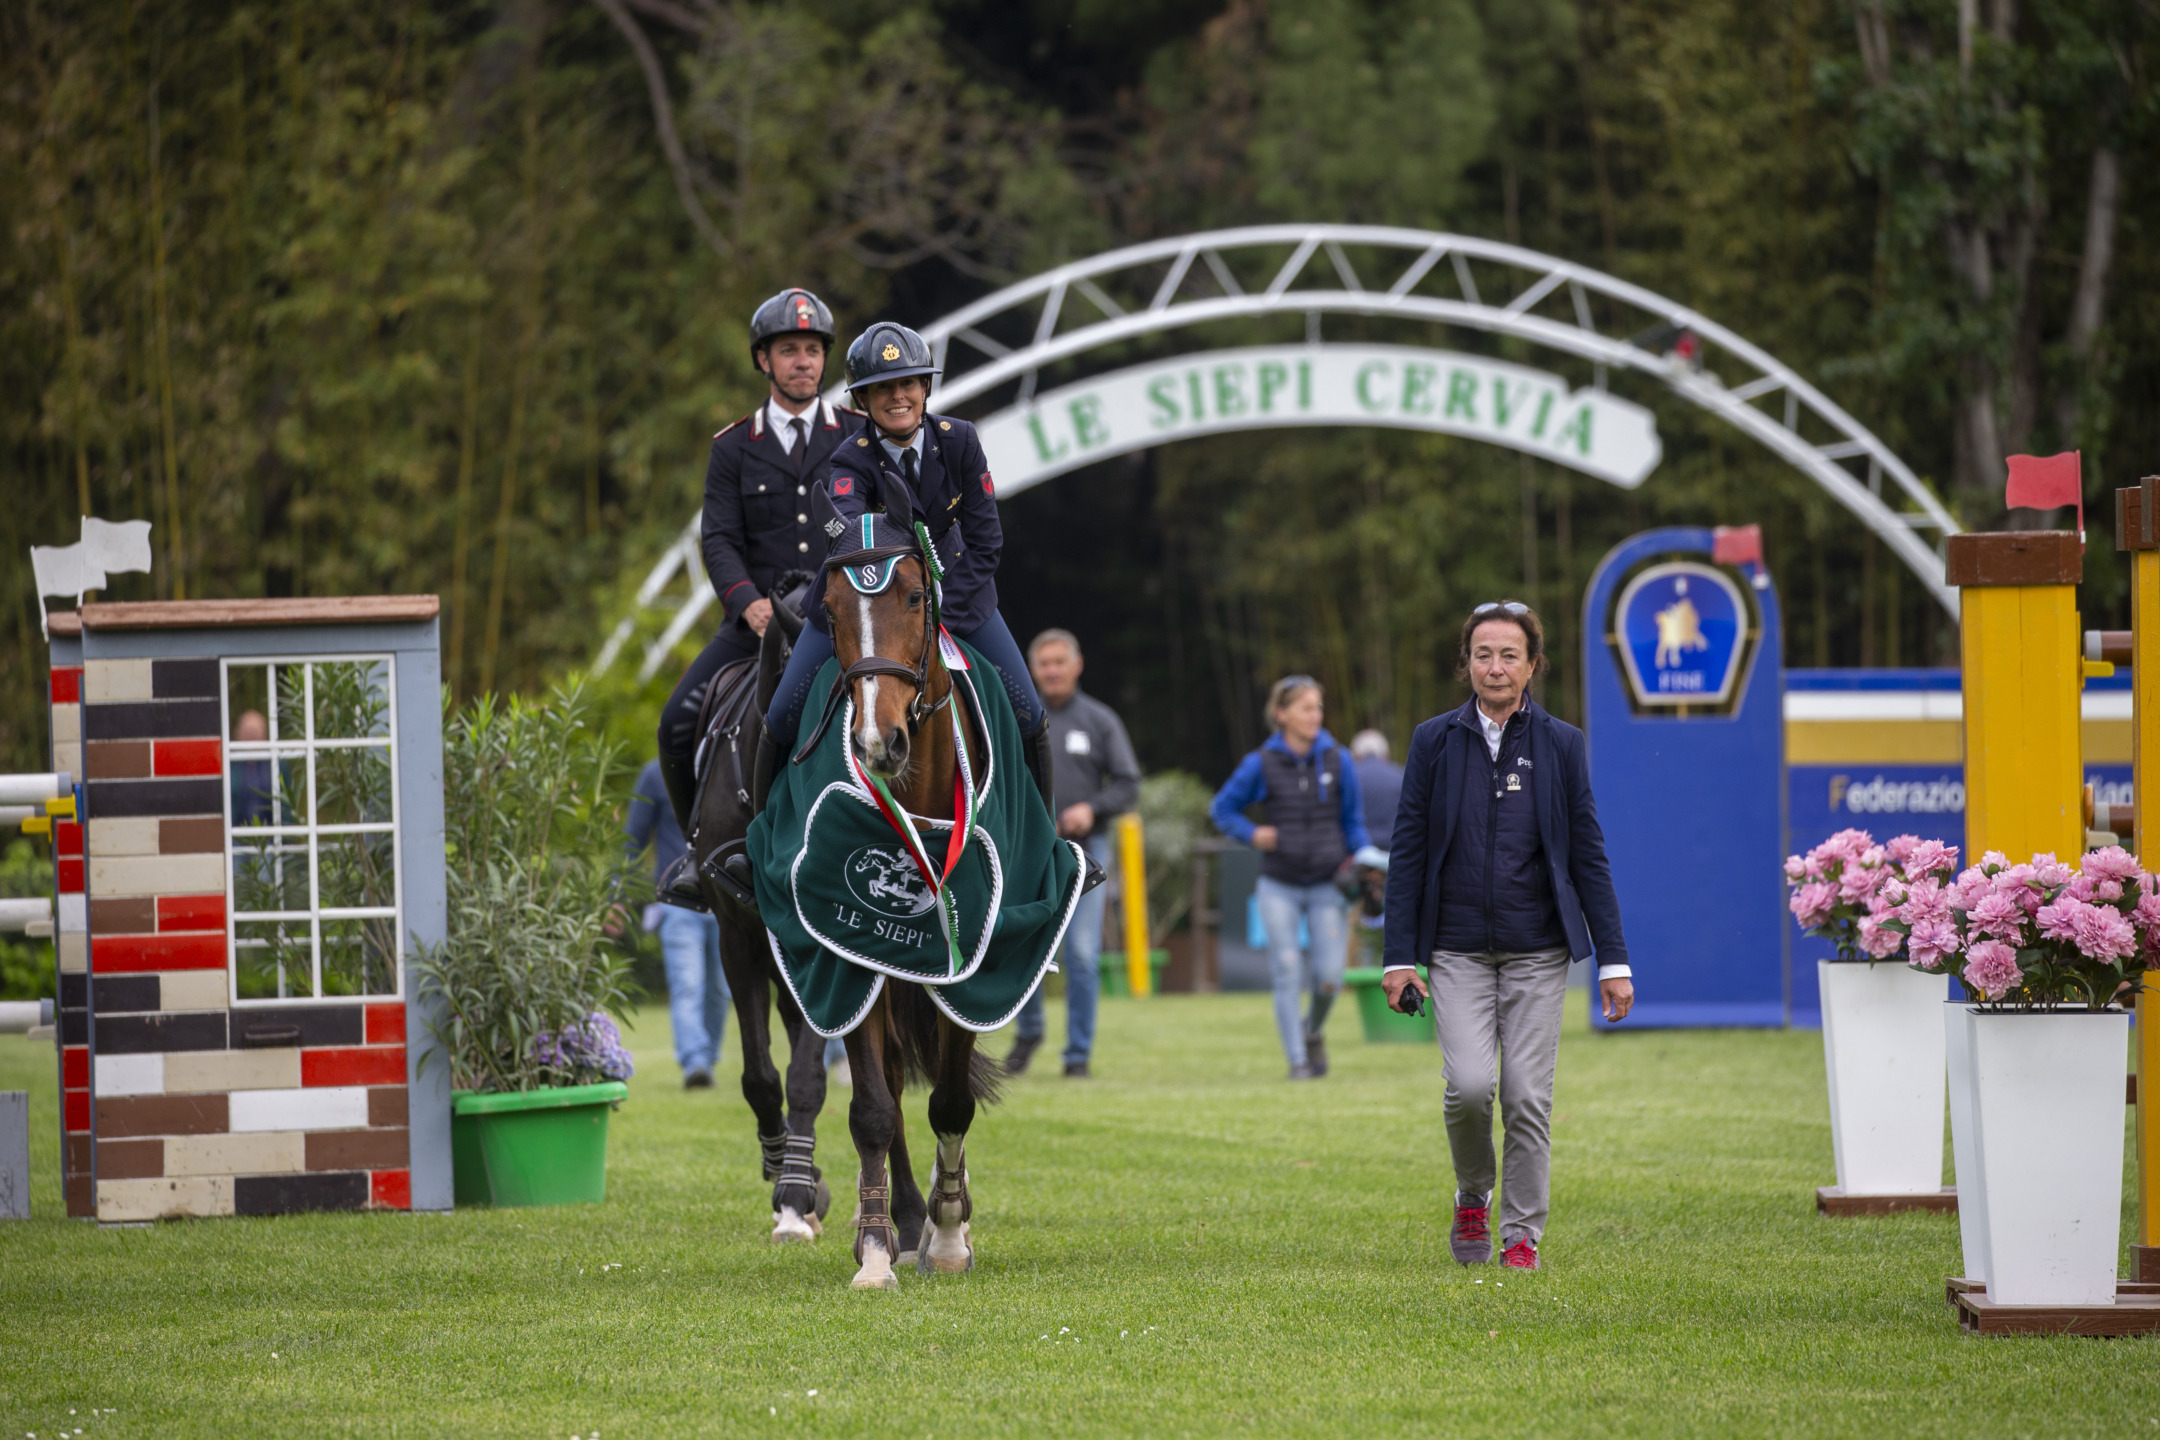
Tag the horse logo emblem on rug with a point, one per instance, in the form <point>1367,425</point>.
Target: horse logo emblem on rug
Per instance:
<point>884,879</point>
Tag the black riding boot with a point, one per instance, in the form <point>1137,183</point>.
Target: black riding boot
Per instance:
<point>764,769</point>
<point>1039,761</point>
<point>679,886</point>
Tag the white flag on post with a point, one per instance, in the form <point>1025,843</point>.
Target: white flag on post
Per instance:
<point>107,547</point>
<point>114,547</point>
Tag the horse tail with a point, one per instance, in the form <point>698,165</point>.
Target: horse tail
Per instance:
<point>918,1026</point>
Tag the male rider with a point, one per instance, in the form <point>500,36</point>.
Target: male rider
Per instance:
<point>889,368</point>
<point>757,524</point>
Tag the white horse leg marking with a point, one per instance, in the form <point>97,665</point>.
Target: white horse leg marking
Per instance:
<point>877,1271</point>
<point>790,1224</point>
<point>945,1243</point>
<point>867,731</point>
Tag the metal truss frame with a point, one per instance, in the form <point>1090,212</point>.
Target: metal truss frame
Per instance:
<point>1191,280</point>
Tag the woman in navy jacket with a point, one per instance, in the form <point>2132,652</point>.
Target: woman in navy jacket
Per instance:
<point>1497,880</point>
<point>1308,791</point>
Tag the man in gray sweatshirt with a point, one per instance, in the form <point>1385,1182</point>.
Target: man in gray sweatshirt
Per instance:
<point>1094,779</point>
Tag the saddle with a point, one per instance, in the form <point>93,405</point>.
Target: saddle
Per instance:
<point>731,718</point>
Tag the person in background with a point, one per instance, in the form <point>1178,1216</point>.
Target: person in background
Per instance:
<point>689,939</point>
<point>1379,787</point>
<point>1379,782</point>
<point>1308,792</point>
<point>1094,780</point>
<point>252,802</point>
<point>1497,876</point>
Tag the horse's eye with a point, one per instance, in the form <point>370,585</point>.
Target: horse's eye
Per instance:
<point>915,599</point>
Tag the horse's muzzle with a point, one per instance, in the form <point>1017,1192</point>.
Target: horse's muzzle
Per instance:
<point>887,757</point>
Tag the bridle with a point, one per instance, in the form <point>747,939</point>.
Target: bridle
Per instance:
<point>922,707</point>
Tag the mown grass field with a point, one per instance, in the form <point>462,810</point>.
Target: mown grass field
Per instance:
<point>1184,1245</point>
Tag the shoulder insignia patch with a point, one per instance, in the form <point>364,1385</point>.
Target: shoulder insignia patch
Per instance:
<point>724,429</point>
<point>944,424</point>
<point>865,444</point>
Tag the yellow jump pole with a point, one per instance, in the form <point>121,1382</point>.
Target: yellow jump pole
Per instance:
<point>2135,513</point>
<point>2023,670</point>
<point>1132,873</point>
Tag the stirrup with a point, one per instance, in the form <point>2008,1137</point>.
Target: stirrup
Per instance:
<point>679,887</point>
<point>1091,874</point>
<point>728,869</point>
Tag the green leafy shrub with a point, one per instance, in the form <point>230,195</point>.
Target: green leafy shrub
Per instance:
<point>535,856</point>
<point>1173,817</point>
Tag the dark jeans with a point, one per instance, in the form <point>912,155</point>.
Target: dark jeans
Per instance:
<point>992,640</point>
<point>678,718</point>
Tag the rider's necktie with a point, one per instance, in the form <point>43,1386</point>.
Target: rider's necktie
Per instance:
<point>802,443</point>
<point>907,465</point>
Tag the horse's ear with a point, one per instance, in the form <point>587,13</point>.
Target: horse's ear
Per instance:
<point>897,499</point>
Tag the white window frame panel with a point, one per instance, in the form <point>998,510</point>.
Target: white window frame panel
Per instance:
<point>307,747</point>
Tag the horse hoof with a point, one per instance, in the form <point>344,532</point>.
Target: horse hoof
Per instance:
<point>791,1227</point>
<point>946,1252</point>
<point>876,1272</point>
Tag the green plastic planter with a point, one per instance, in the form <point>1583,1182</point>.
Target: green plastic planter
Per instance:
<point>1382,1025</point>
<point>1117,980</point>
<point>532,1147</point>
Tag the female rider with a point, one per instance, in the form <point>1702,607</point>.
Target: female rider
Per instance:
<point>889,368</point>
<point>1308,790</point>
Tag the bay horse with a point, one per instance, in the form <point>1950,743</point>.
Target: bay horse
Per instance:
<point>896,677</point>
<point>786,1113</point>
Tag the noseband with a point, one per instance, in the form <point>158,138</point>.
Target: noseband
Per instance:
<point>921,707</point>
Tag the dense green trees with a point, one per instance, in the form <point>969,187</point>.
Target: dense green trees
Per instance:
<point>448,297</point>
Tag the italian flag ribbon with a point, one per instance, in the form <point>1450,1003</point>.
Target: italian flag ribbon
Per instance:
<point>903,824</point>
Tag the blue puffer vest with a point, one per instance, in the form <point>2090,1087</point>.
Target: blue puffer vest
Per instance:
<point>1304,804</point>
<point>1494,892</point>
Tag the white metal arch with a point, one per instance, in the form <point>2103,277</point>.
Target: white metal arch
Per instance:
<point>1191,280</point>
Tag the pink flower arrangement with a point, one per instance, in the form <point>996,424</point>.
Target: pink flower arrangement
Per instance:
<point>1869,899</point>
<point>2042,935</point>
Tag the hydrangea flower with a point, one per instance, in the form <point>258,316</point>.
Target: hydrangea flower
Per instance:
<point>590,1048</point>
<point>1991,968</point>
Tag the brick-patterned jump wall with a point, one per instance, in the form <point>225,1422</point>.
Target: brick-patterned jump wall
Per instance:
<point>200,1107</point>
<point>71,943</point>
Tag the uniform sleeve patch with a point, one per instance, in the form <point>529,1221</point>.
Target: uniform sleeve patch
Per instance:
<point>843,485</point>
<point>988,487</point>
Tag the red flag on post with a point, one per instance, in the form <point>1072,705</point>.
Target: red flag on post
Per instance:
<point>2047,483</point>
<point>1736,544</point>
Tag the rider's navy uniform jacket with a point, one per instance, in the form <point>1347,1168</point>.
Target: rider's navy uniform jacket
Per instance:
<point>957,503</point>
<point>757,502</point>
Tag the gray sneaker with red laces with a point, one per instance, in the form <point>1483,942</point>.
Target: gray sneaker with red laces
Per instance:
<point>1471,1241</point>
<point>1520,1254</point>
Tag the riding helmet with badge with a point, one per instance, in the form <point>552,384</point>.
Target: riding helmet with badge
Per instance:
<point>942,462</point>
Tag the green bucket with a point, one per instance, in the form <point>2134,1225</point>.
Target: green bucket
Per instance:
<point>1382,1025</point>
<point>1117,980</point>
<point>532,1147</point>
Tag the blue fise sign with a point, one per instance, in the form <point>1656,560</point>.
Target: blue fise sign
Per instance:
<point>1681,629</point>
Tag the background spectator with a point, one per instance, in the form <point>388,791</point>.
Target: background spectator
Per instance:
<point>1308,791</point>
<point>1095,779</point>
<point>1379,783</point>
<point>689,941</point>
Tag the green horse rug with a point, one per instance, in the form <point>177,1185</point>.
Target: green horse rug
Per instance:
<point>852,889</point>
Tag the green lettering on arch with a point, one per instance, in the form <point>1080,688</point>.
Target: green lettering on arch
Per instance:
<point>1043,452</point>
<point>1162,397</point>
<point>1417,396</point>
<point>1577,429</point>
<point>1088,427</point>
<point>1230,390</point>
<point>1366,374</point>
<point>1461,395</point>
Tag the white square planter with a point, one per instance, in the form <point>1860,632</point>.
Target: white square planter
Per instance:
<point>1964,1148</point>
<point>2047,1125</point>
<point>1883,1054</point>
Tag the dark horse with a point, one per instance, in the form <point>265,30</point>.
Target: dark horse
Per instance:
<point>897,680</point>
<point>786,1115</point>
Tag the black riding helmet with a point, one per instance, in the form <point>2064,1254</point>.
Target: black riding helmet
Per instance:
<point>791,312</point>
<point>887,351</point>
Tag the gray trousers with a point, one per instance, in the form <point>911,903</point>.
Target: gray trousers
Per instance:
<point>1485,1007</point>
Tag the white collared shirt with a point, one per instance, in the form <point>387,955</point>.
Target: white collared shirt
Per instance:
<point>1493,730</point>
<point>915,443</point>
<point>778,420</point>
